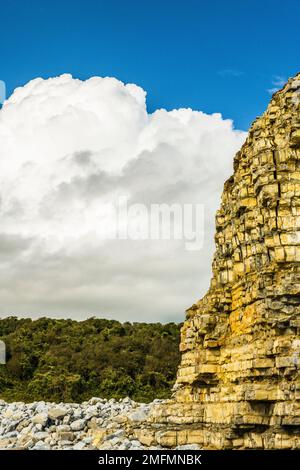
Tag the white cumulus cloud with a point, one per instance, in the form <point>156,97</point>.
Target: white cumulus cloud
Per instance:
<point>67,148</point>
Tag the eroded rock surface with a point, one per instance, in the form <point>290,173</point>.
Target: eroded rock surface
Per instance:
<point>238,384</point>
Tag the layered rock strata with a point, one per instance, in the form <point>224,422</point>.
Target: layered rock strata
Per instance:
<point>238,384</point>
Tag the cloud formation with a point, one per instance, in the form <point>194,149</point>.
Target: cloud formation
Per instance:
<point>278,82</point>
<point>70,146</point>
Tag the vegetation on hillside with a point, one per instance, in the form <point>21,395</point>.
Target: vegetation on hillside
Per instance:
<point>66,360</point>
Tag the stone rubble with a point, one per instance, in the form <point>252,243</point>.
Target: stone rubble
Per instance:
<point>96,424</point>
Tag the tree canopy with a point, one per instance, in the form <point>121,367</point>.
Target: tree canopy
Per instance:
<point>65,360</point>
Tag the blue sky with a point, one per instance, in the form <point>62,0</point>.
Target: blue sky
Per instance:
<point>216,56</point>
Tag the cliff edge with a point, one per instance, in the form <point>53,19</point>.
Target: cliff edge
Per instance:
<point>238,385</point>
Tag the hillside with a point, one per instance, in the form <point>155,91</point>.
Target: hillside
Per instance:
<point>66,360</point>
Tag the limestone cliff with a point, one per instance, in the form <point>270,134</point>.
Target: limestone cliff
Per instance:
<point>238,384</point>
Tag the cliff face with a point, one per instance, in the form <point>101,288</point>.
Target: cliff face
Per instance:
<point>238,384</point>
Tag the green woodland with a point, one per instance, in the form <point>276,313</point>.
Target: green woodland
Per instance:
<point>66,360</point>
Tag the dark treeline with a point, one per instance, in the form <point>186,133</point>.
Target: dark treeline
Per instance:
<point>66,360</point>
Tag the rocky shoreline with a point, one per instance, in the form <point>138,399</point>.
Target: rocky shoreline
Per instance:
<point>97,424</point>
